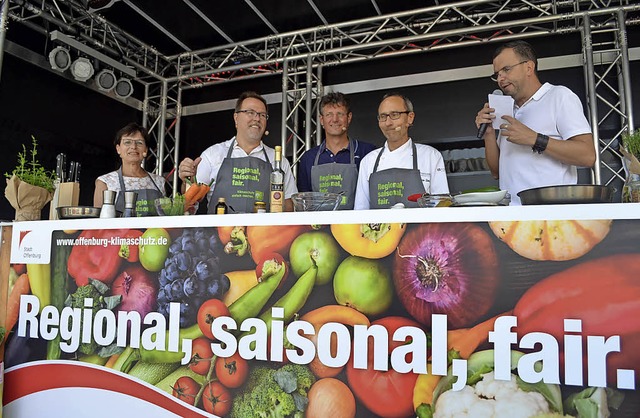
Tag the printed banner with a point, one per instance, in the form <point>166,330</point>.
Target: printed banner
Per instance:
<point>443,319</point>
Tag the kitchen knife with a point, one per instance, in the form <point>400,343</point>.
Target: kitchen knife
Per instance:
<point>72,170</point>
<point>77,177</point>
<point>60,167</point>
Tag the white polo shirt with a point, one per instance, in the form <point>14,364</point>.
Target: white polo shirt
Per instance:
<point>212,159</point>
<point>554,111</point>
<point>430,164</point>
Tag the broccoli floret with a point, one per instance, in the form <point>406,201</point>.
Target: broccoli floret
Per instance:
<point>94,290</point>
<point>266,393</point>
<point>303,375</point>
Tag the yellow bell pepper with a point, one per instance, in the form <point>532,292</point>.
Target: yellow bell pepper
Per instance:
<point>40,282</point>
<point>424,388</point>
<point>369,240</point>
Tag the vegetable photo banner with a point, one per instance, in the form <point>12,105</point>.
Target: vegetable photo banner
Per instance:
<point>388,319</point>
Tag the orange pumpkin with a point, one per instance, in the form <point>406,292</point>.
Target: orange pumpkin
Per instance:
<point>551,240</point>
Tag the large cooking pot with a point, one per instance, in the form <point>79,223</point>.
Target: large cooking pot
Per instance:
<point>567,194</point>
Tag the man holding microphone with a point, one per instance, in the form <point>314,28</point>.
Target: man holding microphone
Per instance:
<point>547,137</point>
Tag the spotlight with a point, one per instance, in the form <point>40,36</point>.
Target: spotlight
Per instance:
<point>106,80</point>
<point>82,69</point>
<point>123,88</point>
<point>60,59</point>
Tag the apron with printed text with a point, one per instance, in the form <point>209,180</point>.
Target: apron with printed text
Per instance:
<point>145,203</point>
<point>394,185</point>
<point>242,182</point>
<point>336,178</point>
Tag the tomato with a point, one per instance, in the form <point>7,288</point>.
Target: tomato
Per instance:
<point>208,311</point>
<point>154,248</point>
<point>232,371</point>
<point>216,399</point>
<point>130,251</point>
<point>388,394</point>
<point>269,265</point>
<point>201,355</point>
<point>368,240</point>
<point>186,389</point>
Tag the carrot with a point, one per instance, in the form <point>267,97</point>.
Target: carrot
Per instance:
<point>202,192</point>
<point>21,287</point>
<point>190,193</point>
<point>466,340</point>
<point>112,360</point>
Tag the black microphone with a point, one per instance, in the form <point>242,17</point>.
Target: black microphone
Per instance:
<point>483,126</point>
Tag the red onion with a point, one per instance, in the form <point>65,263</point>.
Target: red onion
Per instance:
<point>139,290</point>
<point>447,269</point>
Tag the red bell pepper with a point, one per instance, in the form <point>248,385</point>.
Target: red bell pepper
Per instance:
<point>264,240</point>
<point>90,257</point>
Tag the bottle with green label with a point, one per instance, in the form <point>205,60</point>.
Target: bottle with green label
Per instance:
<point>276,184</point>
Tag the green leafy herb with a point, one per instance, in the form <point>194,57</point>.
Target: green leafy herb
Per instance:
<point>632,142</point>
<point>30,171</point>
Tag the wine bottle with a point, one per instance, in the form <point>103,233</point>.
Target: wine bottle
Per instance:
<point>276,184</point>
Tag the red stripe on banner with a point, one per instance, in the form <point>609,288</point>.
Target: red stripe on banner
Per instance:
<point>36,377</point>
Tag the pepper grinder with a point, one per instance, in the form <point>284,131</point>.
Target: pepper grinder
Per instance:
<point>108,204</point>
<point>130,199</point>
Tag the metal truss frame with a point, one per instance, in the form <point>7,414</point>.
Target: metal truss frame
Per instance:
<point>299,56</point>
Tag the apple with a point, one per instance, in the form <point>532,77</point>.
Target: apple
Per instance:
<point>315,247</point>
<point>363,284</point>
<point>154,248</point>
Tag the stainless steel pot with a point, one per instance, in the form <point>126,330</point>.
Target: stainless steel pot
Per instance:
<point>567,194</point>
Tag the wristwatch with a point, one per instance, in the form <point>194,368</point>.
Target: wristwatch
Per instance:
<point>541,143</point>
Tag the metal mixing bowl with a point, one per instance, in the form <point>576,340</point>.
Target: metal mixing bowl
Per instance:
<point>78,212</point>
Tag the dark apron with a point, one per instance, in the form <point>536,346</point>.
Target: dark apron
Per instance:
<point>394,185</point>
<point>242,182</point>
<point>336,178</point>
<point>145,204</point>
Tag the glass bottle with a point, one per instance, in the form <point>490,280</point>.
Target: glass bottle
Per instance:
<point>631,188</point>
<point>276,184</point>
<point>221,206</point>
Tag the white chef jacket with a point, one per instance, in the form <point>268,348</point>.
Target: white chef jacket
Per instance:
<point>430,164</point>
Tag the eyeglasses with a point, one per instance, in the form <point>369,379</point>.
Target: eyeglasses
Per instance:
<point>382,117</point>
<point>330,115</point>
<point>252,113</point>
<point>133,143</point>
<point>505,70</point>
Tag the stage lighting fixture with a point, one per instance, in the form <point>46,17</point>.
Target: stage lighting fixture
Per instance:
<point>123,88</point>
<point>82,69</point>
<point>93,5</point>
<point>106,80</point>
<point>60,59</point>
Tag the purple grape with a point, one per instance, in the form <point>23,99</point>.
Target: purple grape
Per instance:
<point>177,290</point>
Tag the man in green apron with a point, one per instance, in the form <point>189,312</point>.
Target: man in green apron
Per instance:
<point>241,165</point>
<point>333,165</point>
<point>389,175</point>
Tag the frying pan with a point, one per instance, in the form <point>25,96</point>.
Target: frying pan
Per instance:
<point>567,194</point>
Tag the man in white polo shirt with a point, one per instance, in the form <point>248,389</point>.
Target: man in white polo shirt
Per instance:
<point>549,135</point>
<point>389,175</point>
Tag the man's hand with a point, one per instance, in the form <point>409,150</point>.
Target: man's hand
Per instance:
<point>188,168</point>
<point>485,115</point>
<point>517,132</point>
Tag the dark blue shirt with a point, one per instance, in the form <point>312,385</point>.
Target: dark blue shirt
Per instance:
<point>342,157</point>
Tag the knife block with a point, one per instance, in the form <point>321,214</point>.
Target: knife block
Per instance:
<point>66,194</point>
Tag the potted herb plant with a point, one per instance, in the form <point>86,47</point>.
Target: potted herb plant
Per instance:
<point>631,155</point>
<point>29,186</point>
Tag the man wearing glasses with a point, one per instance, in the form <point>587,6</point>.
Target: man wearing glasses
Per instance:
<point>333,165</point>
<point>549,135</point>
<point>241,166</point>
<point>389,175</point>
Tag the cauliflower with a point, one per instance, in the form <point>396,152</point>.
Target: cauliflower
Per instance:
<point>491,398</point>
